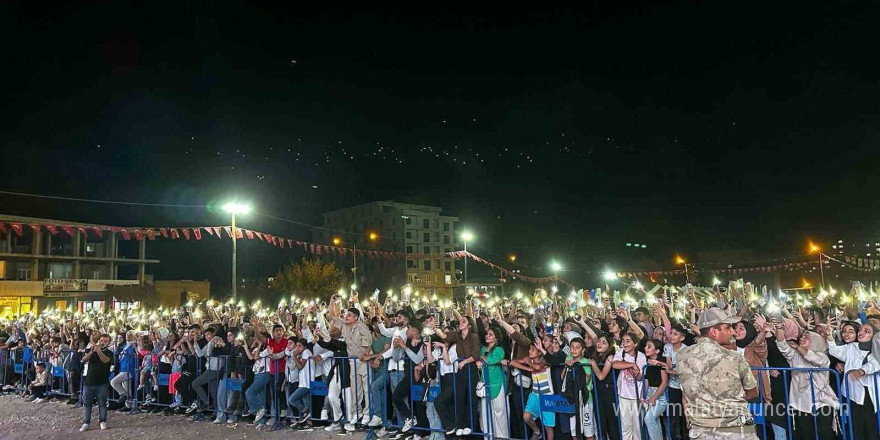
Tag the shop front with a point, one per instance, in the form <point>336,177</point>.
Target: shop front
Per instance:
<point>19,297</point>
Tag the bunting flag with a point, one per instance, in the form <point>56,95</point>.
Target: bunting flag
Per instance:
<point>209,230</point>
<point>52,229</point>
<point>260,236</point>
<point>98,231</point>
<point>2,227</point>
<point>281,243</point>
<point>185,233</point>
<point>151,234</point>
<point>228,230</point>
<point>290,243</point>
<point>82,231</point>
<point>68,229</point>
<point>125,234</point>
<point>16,227</point>
<point>174,234</point>
<point>35,228</point>
<point>163,232</point>
<point>249,233</point>
<point>138,235</point>
<point>217,231</point>
<point>238,234</point>
<point>197,233</point>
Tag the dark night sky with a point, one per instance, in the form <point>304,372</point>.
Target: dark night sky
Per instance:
<point>557,135</point>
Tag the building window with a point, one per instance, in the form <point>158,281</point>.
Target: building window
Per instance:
<point>426,237</point>
<point>427,249</point>
<point>427,264</point>
<point>447,279</point>
<point>445,226</point>
<point>408,220</point>
<point>437,251</point>
<point>445,239</point>
<point>96,275</point>
<point>436,236</point>
<point>24,274</point>
<point>409,249</point>
<point>408,234</point>
<point>410,264</point>
<point>426,223</point>
<point>447,266</point>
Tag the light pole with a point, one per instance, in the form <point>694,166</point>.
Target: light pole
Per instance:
<point>679,260</point>
<point>235,208</point>
<point>815,249</point>
<point>372,236</point>
<point>466,236</point>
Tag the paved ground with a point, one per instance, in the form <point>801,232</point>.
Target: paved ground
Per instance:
<point>55,420</point>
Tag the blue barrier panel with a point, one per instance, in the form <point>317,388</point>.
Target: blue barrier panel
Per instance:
<point>163,379</point>
<point>556,404</point>
<point>234,384</point>
<point>19,368</point>
<point>58,371</point>
<point>319,388</point>
<point>757,411</point>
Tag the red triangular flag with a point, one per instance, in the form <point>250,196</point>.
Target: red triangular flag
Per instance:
<point>35,228</point>
<point>82,231</point>
<point>268,238</point>
<point>281,243</point>
<point>249,233</point>
<point>290,243</point>
<point>311,248</point>
<point>17,228</point>
<point>138,235</point>
<point>163,232</point>
<point>260,235</point>
<point>174,234</point>
<point>68,229</point>
<point>125,234</point>
<point>185,233</point>
<point>197,233</point>
<point>151,234</point>
<point>52,229</point>
<point>209,230</point>
<point>217,231</point>
<point>98,231</point>
<point>228,231</point>
<point>2,227</point>
<point>238,234</point>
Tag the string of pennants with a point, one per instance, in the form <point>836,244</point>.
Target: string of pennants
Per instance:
<point>196,233</point>
<point>865,265</point>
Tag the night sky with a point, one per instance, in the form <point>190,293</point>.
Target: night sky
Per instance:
<point>563,135</point>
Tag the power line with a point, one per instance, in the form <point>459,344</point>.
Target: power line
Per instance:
<point>110,202</point>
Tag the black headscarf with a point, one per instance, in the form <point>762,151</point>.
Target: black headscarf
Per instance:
<point>751,334</point>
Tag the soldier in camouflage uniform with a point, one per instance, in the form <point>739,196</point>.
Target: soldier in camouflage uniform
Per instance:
<point>716,382</point>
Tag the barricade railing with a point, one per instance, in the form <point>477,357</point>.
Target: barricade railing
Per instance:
<point>867,399</point>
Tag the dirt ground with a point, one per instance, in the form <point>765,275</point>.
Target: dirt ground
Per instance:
<point>20,419</point>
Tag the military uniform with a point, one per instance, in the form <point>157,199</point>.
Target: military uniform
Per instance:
<point>713,380</point>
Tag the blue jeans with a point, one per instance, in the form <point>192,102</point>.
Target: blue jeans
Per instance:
<point>434,422</point>
<point>92,393</point>
<point>256,394</point>
<point>378,403</point>
<point>220,403</point>
<point>300,400</point>
<point>652,416</point>
<point>396,377</point>
<point>779,432</point>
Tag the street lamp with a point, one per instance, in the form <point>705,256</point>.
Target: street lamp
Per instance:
<point>466,236</point>
<point>556,268</point>
<point>234,208</point>
<point>609,275</point>
<point>680,260</point>
<point>815,249</point>
<point>337,241</point>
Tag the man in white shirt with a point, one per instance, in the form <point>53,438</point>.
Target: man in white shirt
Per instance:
<point>396,354</point>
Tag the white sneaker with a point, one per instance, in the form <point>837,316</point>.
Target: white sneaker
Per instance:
<point>374,422</point>
<point>349,427</point>
<point>365,419</point>
<point>260,413</point>
<point>217,421</point>
<point>458,432</point>
<point>407,425</point>
<point>84,428</point>
<point>39,400</point>
<point>381,432</point>
<point>103,425</point>
<point>466,431</point>
<point>324,415</point>
<point>332,427</point>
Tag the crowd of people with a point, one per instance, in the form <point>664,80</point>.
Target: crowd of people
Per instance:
<point>696,366</point>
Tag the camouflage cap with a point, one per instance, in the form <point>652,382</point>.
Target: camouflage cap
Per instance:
<point>714,316</point>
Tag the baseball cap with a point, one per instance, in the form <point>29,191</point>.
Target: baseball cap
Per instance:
<point>714,316</point>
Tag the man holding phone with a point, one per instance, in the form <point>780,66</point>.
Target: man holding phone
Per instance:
<point>97,377</point>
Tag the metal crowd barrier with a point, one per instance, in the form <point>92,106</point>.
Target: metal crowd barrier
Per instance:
<point>19,361</point>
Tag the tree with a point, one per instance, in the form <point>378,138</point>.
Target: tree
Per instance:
<point>308,277</point>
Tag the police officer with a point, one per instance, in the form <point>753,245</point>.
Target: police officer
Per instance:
<point>716,382</point>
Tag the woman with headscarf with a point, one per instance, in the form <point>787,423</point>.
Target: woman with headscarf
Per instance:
<point>809,391</point>
<point>858,366</point>
<point>780,380</point>
<point>751,344</point>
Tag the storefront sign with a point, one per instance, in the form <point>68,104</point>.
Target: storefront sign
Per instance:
<point>64,285</point>
<point>48,294</point>
<point>21,288</point>
<point>101,285</point>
